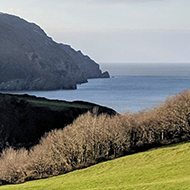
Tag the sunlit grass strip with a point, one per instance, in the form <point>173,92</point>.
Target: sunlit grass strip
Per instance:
<point>58,105</point>
<point>158,169</point>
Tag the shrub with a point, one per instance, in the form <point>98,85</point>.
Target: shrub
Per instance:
<point>13,164</point>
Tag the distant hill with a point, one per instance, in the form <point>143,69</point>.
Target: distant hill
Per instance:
<point>30,60</point>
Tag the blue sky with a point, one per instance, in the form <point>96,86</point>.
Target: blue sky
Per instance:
<point>137,31</point>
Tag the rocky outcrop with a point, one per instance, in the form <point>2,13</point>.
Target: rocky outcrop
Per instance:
<point>25,119</point>
<point>30,60</point>
<point>105,75</point>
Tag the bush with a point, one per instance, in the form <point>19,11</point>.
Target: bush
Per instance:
<point>13,163</point>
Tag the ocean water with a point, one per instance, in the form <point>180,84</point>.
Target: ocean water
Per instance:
<point>132,87</point>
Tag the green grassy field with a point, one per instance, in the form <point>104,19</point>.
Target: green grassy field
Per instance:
<point>158,169</point>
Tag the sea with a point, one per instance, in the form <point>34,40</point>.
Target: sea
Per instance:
<point>131,87</point>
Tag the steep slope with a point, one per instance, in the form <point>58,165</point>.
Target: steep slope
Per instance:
<point>164,168</point>
<point>30,60</point>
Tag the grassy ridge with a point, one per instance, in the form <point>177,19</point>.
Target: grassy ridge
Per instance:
<point>158,169</point>
<point>59,105</point>
<point>54,104</point>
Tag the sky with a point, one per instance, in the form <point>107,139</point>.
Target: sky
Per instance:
<point>113,31</point>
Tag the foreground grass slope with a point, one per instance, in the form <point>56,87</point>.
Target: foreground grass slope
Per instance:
<point>164,168</point>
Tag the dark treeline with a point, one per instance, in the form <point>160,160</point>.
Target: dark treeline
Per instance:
<point>92,139</point>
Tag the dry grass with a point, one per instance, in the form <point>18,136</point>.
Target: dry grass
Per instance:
<point>92,139</point>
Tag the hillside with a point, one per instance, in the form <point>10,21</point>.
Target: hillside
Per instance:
<point>25,119</point>
<point>164,168</point>
<point>30,60</point>
<point>91,138</point>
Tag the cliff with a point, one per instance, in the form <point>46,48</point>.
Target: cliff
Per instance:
<point>30,60</point>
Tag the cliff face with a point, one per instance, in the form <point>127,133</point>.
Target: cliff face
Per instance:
<point>30,60</point>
